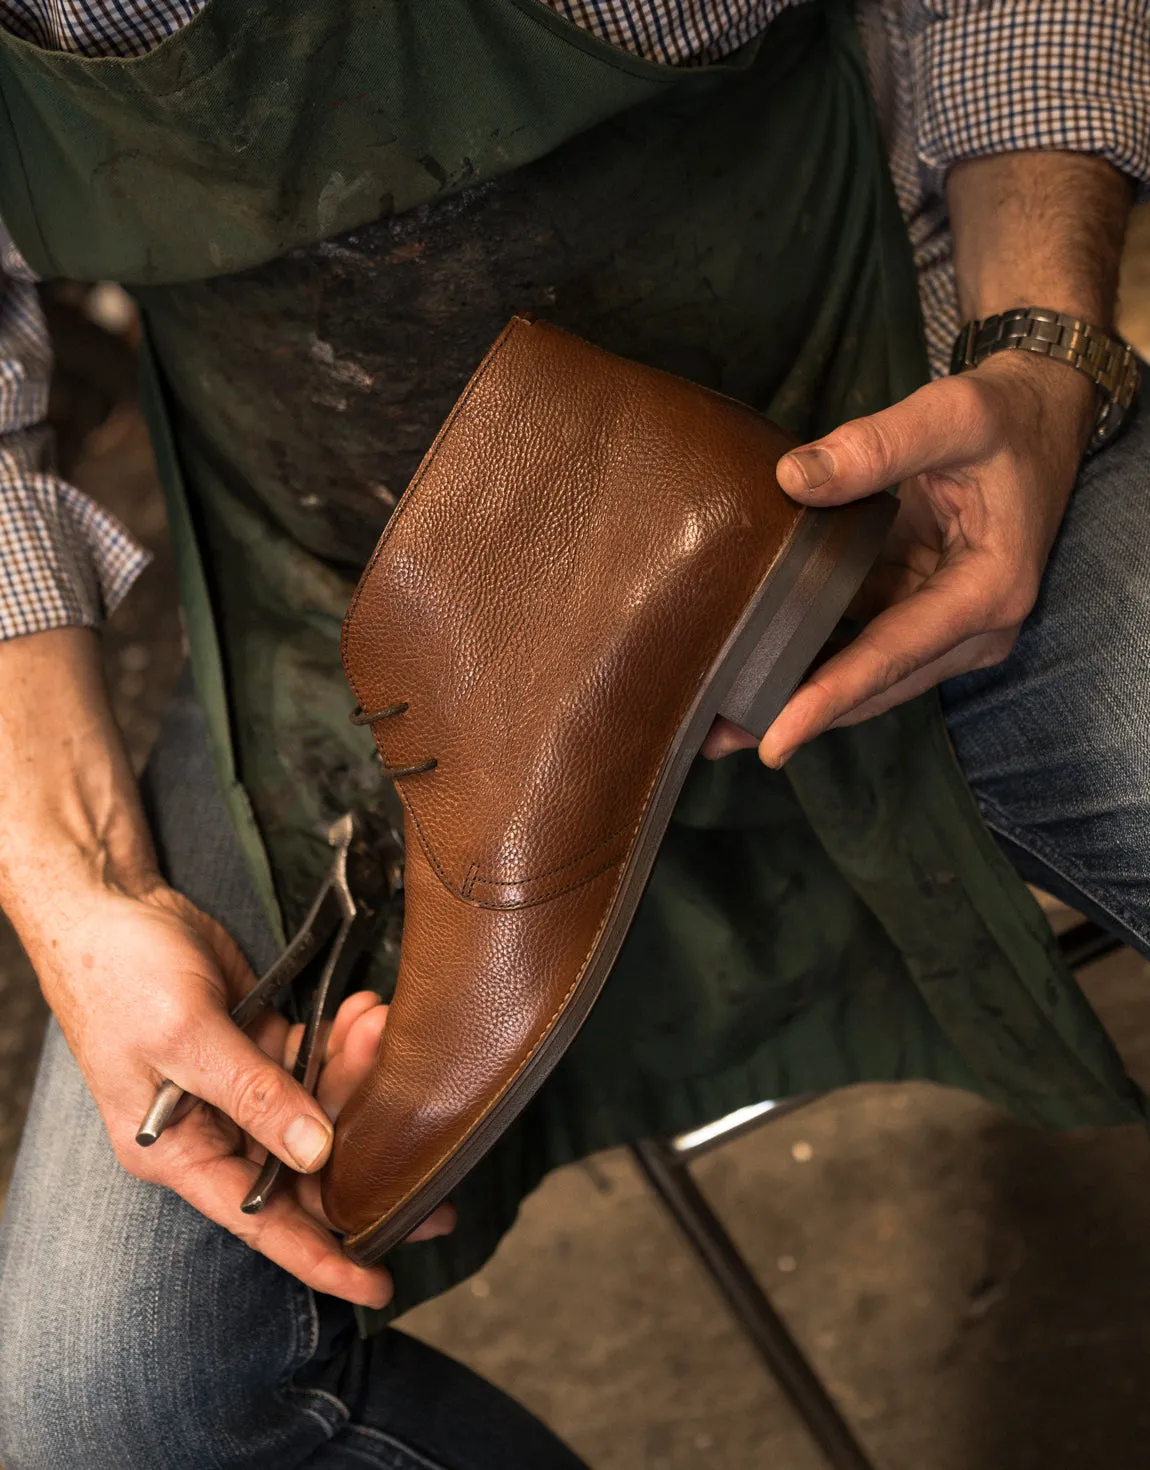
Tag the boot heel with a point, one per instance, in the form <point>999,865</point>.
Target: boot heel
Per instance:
<point>823,568</point>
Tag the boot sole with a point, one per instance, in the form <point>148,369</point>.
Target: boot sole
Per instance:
<point>785,625</point>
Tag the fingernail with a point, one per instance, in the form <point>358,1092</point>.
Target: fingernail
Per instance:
<point>816,466</point>
<point>307,1140</point>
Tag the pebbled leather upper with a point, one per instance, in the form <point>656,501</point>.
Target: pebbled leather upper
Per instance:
<point>546,599</point>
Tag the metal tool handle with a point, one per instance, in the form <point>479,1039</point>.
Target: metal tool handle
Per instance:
<point>328,994</point>
<point>261,1191</point>
<point>321,920</point>
<point>337,910</point>
<point>159,1115</point>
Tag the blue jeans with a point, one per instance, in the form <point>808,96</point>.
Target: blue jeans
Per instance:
<point>134,1335</point>
<point>1055,741</point>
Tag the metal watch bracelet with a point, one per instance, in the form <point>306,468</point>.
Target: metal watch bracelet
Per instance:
<point>1109,363</point>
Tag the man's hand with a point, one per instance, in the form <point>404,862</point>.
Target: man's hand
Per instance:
<point>985,462</point>
<point>142,982</point>
<point>141,985</point>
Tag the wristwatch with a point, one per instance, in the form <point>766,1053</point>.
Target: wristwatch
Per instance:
<point>1109,363</point>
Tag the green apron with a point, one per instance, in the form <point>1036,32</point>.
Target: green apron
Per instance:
<point>327,211</point>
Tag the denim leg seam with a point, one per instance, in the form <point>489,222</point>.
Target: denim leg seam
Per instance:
<point>310,1313</point>
<point>309,1400</point>
<point>998,822</point>
<point>400,1456</point>
<point>330,1411</point>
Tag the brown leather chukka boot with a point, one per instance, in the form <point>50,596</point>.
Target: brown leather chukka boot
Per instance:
<point>593,561</point>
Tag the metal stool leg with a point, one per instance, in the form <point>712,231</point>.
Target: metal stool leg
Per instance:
<point>666,1165</point>
<point>672,1182</point>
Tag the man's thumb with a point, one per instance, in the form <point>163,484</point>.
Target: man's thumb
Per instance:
<point>942,424</point>
<point>262,1098</point>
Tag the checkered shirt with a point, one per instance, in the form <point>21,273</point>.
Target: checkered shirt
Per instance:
<point>952,79</point>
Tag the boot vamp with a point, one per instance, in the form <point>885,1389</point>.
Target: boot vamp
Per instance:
<point>479,991</point>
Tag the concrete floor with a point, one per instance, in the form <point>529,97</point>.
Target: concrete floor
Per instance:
<point>975,1294</point>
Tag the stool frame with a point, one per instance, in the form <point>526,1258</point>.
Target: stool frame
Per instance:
<point>666,1165</point>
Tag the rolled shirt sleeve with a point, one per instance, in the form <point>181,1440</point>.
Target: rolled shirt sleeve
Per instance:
<point>1000,76</point>
<point>64,560</point>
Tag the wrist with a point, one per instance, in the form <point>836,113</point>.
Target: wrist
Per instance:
<point>70,819</point>
<point>54,868</point>
<point>1063,399</point>
<point>1093,307</point>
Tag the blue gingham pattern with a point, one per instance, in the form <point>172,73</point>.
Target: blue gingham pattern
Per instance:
<point>64,561</point>
<point>886,40</point>
<point>952,79</point>
<point>1066,74</point>
<point>97,27</point>
<point>674,31</point>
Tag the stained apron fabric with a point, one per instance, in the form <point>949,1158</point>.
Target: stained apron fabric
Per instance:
<point>327,212</point>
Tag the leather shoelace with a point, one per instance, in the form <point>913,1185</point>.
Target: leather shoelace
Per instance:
<point>360,716</point>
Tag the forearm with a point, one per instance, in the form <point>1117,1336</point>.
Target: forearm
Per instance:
<point>1038,229</point>
<point>140,980</point>
<point>70,815</point>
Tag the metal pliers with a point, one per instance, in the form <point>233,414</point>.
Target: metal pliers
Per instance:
<point>344,913</point>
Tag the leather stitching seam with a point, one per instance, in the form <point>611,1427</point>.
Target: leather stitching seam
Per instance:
<point>503,908</point>
<point>474,879</point>
<point>519,1071</point>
